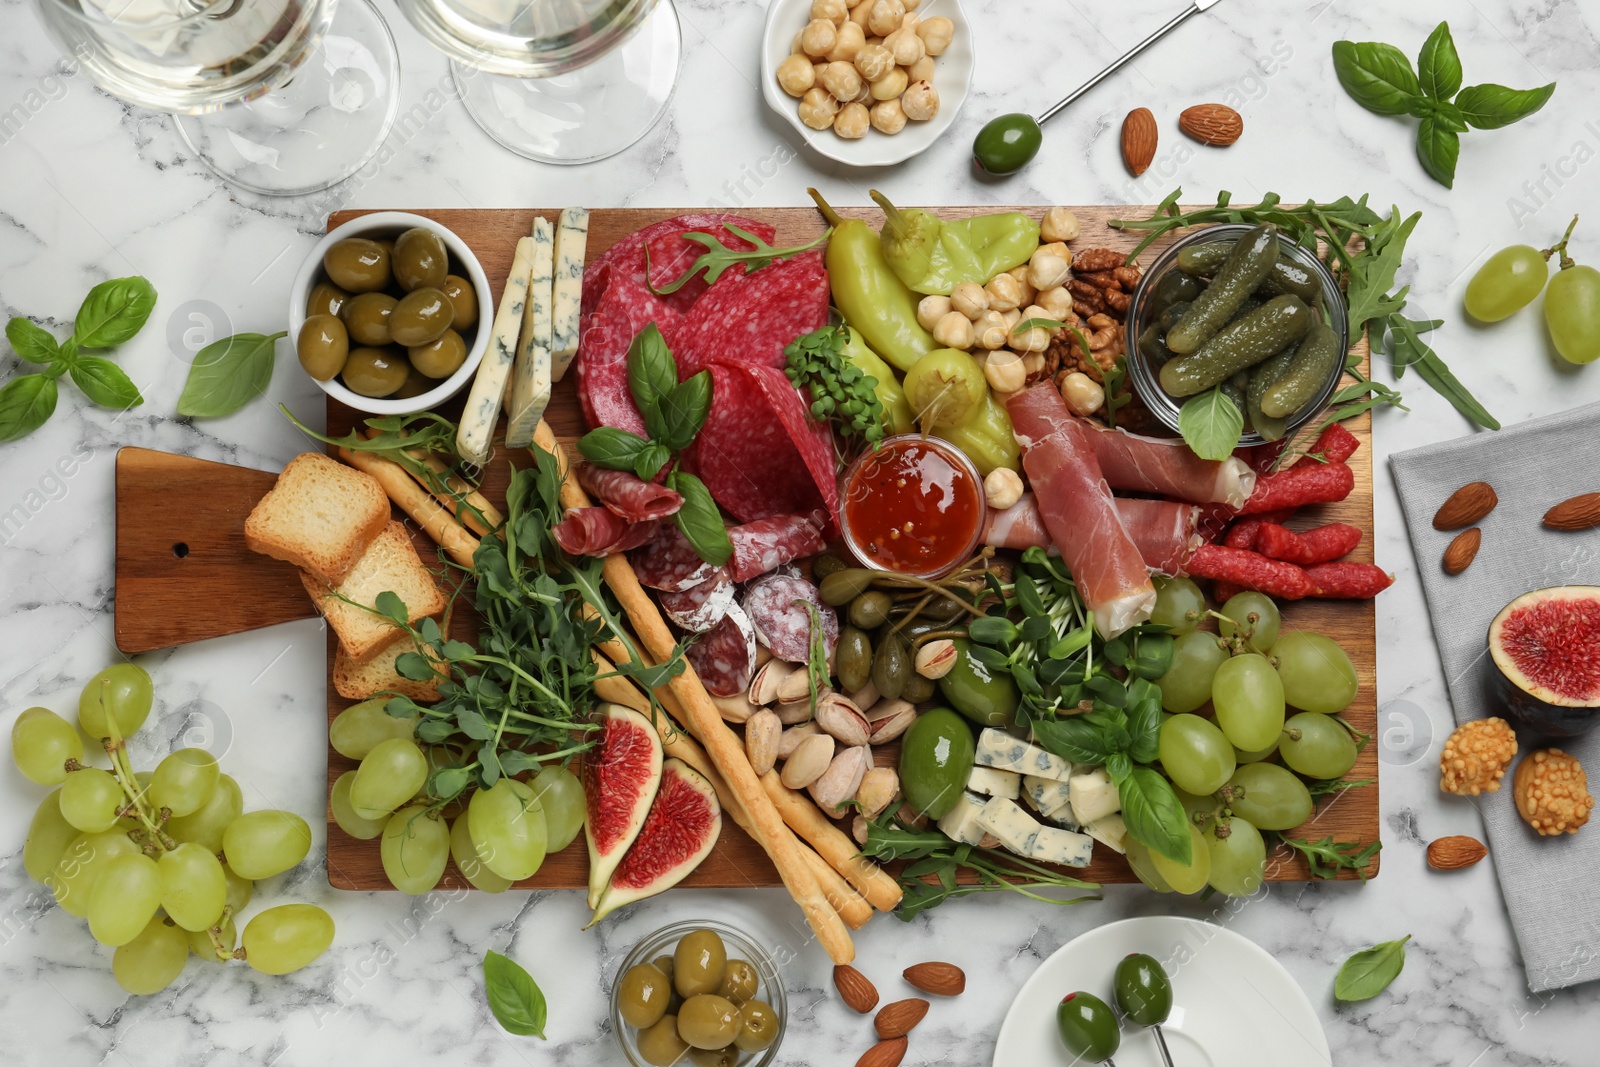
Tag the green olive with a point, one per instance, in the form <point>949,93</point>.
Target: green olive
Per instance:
<point>891,666</point>
<point>1006,144</point>
<point>760,1026</point>
<point>1144,992</point>
<point>988,698</point>
<point>440,357</point>
<point>463,301</point>
<point>367,318</point>
<point>918,689</point>
<point>421,316</point>
<point>697,965</point>
<point>853,659</point>
<point>1088,1027</point>
<point>936,761</point>
<point>326,299</point>
<point>660,1045</point>
<point>416,384</point>
<point>739,981</point>
<point>375,371</point>
<point>420,259</point>
<point>841,587</point>
<point>709,1021</point>
<point>825,565</point>
<point>714,1057</point>
<point>943,609</point>
<point>322,346</point>
<point>664,964</point>
<point>642,996</point>
<point>870,610</point>
<point>357,265</point>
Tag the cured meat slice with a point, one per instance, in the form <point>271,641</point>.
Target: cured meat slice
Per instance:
<point>598,532</point>
<point>749,318</point>
<point>669,562</point>
<point>1076,505</point>
<point>1302,484</point>
<point>767,544</point>
<point>1164,531</point>
<point>625,308</point>
<point>1168,468</point>
<point>628,495</point>
<point>725,656</point>
<point>700,607</point>
<point>670,253</point>
<point>778,609</point>
<point>1320,544</point>
<point>1247,569</point>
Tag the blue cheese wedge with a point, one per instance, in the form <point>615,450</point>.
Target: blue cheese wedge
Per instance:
<point>960,823</point>
<point>482,410</point>
<point>1000,750</point>
<point>1052,845</point>
<point>993,783</point>
<point>1044,795</point>
<point>1009,823</point>
<point>572,240</point>
<point>530,390</point>
<point>1093,795</point>
<point>1063,818</point>
<point>1109,830</point>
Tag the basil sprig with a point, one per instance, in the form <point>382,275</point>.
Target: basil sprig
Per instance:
<point>1369,972</point>
<point>1380,78</point>
<point>113,312</point>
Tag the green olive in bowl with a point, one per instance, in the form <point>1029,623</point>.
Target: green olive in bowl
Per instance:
<point>440,357</point>
<point>420,259</point>
<point>421,316</point>
<point>375,371</point>
<point>416,384</point>
<point>322,346</point>
<point>357,265</point>
<point>326,299</point>
<point>708,1021</point>
<point>367,318</point>
<point>464,299</point>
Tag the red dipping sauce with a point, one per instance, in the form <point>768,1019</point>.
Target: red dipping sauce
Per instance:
<point>914,506</point>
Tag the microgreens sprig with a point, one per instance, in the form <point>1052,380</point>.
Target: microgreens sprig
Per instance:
<point>839,390</point>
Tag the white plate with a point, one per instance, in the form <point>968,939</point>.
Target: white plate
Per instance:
<point>952,75</point>
<point>1232,1004</point>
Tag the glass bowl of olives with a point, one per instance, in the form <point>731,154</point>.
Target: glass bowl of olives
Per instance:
<point>698,994</point>
<point>391,313</point>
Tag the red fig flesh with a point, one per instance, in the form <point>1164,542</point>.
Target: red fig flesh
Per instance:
<point>679,832</point>
<point>1545,646</point>
<point>620,777</point>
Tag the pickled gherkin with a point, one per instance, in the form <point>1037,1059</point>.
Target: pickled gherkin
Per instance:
<point>1247,265</point>
<point>1287,276</point>
<point>1279,322</point>
<point>1306,373</point>
<point>1262,378</point>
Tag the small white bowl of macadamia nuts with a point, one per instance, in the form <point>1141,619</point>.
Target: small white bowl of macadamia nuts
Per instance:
<point>867,82</point>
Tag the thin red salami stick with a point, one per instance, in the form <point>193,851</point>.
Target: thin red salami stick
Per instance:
<point>1348,581</point>
<point>1317,545</point>
<point>1335,445</point>
<point>1242,534</point>
<point>1250,570</point>
<point>1315,483</point>
<point>1222,592</point>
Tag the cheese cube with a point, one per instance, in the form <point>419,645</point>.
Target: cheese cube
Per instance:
<point>1063,818</point>
<point>1000,750</point>
<point>1109,830</point>
<point>572,239</point>
<point>1051,845</point>
<point>1045,795</point>
<point>1003,819</point>
<point>960,823</point>
<point>482,410</point>
<point>995,783</point>
<point>531,379</point>
<point>1093,795</point>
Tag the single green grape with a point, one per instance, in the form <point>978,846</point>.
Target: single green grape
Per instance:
<point>1194,754</point>
<point>1198,808</point>
<point>1142,862</point>
<point>193,887</point>
<point>1269,796</point>
<point>1187,684</point>
<point>200,942</point>
<point>1316,672</point>
<point>286,938</point>
<point>388,777</point>
<point>1317,746</point>
<point>184,781</point>
<point>1238,857</point>
<point>1180,605</point>
<point>508,829</point>
<point>240,890</point>
<point>90,800</point>
<point>1191,877</point>
<point>49,834</point>
<point>41,744</point>
<point>1253,616</point>
<point>560,794</point>
<point>415,849</point>
<point>1506,283</point>
<point>129,694</point>
<point>358,729</point>
<point>465,853</point>
<point>124,897</point>
<point>1248,698</point>
<point>260,844</point>
<point>206,825</point>
<point>1256,756</point>
<point>1572,313</point>
<point>151,961</point>
<point>357,826</point>
<point>81,865</point>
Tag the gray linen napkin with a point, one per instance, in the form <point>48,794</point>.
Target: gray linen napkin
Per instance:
<point>1548,882</point>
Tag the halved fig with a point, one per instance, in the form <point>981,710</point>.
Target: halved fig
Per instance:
<point>679,832</point>
<point>1545,646</point>
<point>620,777</point>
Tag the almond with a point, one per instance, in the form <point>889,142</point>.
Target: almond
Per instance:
<point>1577,513</point>
<point>1466,507</point>
<point>1139,136</point>
<point>940,979</point>
<point>884,1054</point>
<point>1461,551</point>
<point>900,1018</point>
<point>1454,853</point>
<point>858,993</point>
<point>1216,124</point>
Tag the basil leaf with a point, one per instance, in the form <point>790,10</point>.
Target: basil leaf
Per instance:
<point>683,410</point>
<point>1377,76</point>
<point>227,374</point>
<point>1490,106</point>
<point>1119,766</point>
<point>1072,738</point>
<point>1155,818</point>
<point>1437,149</point>
<point>1369,972</point>
<point>33,343</point>
<point>1144,730</point>
<point>1450,117</point>
<point>611,448</point>
<point>1438,65</point>
<point>652,371</point>
<point>648,463</point>
<point>25,403</point>
<point>1211,424</point>
<point>514,996</point>
<point>113,312</point>
<point>699,519</point>
<point>105,383</point>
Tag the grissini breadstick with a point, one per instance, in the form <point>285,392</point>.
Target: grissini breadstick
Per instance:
<point>415,501</point>
<point>459,492</point>
<point>833,845</point>
<point>722,744</point>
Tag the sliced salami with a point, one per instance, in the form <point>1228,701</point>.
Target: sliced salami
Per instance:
<point>700,607</point>
<point>725,656</point>
<point>669,563</point>
<point>670,254</point>
<point>598,532</point>
<point>625,308</point>
<point>749,318</point>
<point>627,495</point>
<point>777,606</point>
<point>767,544</point>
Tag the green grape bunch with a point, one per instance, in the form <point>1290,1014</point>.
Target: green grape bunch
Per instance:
<point>839,390</point>
<point>161,863</point>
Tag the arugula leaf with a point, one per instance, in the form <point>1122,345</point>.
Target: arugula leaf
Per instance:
<point>1489,106</point>
<point>1410,350</point>
<point>1377,76</point>
<point>1438,65</point>
<point>113,312</point>
<point>612,448</point>
<point>699,520</point>
<point>1211,424</point>
<point>105,383</point>
<point>514,997</point>
<point>26,401</point>
<point>227,374</point>
<point>33,343</point>
<point>1369,972</point>
<point>1327,857</point>
<point>1372,275</point>
<point>1438,146</point>
<point>718,257</point>
<point>1112,380</point>
<point>1154,816</point>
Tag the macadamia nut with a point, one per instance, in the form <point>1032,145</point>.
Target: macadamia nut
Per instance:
<point>885,16</point>
<point>892,86</point>
<point>873,61</point>
<point>936,34</point>
<point>835,11</point>
<point>842,81</point>
<point>921,70</point>
<point>818,108</point>
<point>921,101</point>
<point>905,46</point>
<point>851,40</point>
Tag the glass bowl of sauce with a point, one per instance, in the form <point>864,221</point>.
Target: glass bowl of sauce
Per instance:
<point>913,506</point>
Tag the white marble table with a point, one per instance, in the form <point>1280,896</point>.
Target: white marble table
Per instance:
<point>90,188</point>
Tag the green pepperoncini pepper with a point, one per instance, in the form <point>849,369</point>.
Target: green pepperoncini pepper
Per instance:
<point>934,255</point>
<point>897,417</point>
<point>868,293</point>
<point>985,437</point>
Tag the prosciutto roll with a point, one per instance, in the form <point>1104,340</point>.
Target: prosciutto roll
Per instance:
<point>1075,503</point>
<point>628,496</point>
<point>1168,468</point>
<point>599,532</point>
<point>1164,531</point>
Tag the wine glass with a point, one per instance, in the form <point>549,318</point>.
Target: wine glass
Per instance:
<point>282,97</point>
<point>560,81</point>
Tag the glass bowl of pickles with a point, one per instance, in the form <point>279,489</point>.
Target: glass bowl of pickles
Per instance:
<point>391,313</point>
<point>698,994</point>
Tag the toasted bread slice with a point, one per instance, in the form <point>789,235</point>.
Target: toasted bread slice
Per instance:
<point>321,516</point>
<point>360,679</point>
<point>389,563</point>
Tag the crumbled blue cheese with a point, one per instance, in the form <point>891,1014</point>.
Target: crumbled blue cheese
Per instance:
<point>1093,795</point>
<point>1000,750</point>
<point>1109,830</point>
<point>572,239</point>
<point>530,391</point>
<point>482,410</point>
<point>960,823</point>
<point>1069,849</point>
<point>990,782</point>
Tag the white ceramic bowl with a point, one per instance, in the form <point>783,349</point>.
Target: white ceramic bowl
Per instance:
<point>952,76</point>
<point>392,224</point>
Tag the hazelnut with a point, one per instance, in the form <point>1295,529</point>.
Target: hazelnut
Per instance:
<point>953,330</point>
<point>873,61</point>
<point>936,34</point>
<point>1059,224</point>
<point>818,108</point>
<point>1036,339</point>
<point>936,658</point>
<point>888,116</point>
<point>1552,792</point>
<point>1083,394</point>
<point>921,100</point>
<point>850,41</point>
<point>991,331</point>
<point>1020,273</point>
<point>1475,757</point>
<point>1002,488</point>
<point>819,37</point>
<point>885,16</point>
<point>796,75</point>
<point>969,299</point>
<point>1004,370</point>
<point>891,86</point>
<point>1005,292</point>
<point>844,83</point>
<point>1057,303</point>
<point>1047,270</point>
<point>930,309</point>
<point>852,121</point>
